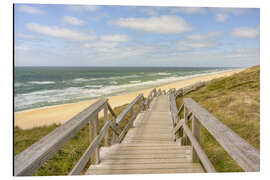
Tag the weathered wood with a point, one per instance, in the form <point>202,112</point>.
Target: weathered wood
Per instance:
<point>111,110</point>
<point>243,153</point>
<point>93,134</point>
<point>90,150</point>
<point>173,108</point>
<point>28,161</point>
<point>184,139</point>
<point>121,116</point>
<point>196,129</point>
<point>204,159</point>
<point>106,139</point>
<point>178,126</point>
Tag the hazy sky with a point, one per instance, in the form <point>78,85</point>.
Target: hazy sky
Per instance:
<point>69,35</point>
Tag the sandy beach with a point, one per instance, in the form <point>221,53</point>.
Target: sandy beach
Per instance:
<point>62,113</point>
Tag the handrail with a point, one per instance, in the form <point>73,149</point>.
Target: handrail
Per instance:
<point>30,160</point>
<point>121,116</point>
<point>151,95</point>
<point>247,157</point>
<point>243,153</point>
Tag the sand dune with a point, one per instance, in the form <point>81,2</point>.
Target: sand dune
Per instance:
<point>62,113</point>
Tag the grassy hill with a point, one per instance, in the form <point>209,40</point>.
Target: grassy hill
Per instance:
<point>235,101</point>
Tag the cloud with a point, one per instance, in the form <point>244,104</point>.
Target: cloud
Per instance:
<point>161,24</point>
<point>73,21</point>
<point>201,37</point>
<point>24,36</point>
<point>116,38</point>
<point>58,32</point>
<point>221,17</point>
<point>246,32</point>
<point>29,9</point>
<point>81,8</point>
<point>100,45</point>
<point>189,10</point>
<point>189,45</point>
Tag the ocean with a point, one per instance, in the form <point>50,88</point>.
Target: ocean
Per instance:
<point>36,87</point>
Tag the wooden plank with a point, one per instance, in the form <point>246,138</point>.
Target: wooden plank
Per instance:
<point>121,116</point>
<point>149,161</point>
<point>243,153</point>
<point>178,126</point>
<point>106,138</point>
<point>183,165</point>
<point>111,110</point>
<point>148,156</point>
<point>196,131</point>
<point>150,151</point>
<point>93,134</point>
<point>87,154</point>
<point>27,162</point>
<point>145,171</point>
<point>195,144</point>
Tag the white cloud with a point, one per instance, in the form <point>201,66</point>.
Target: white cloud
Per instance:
<point>116,38</point>
<point>221,17</point>
<point>187,45</point>
<point>81,8</point>
<point>29,9</point>
<point>189,10</point>
<point>24,36</point>
<point>73,21</point>
<point>161,24</point>
<point>59,32</point>
<point>246,32</point>
<point>100,45</point>
<point>201,37</point>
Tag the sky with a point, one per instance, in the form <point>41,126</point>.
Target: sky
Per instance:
<point>88,35</point>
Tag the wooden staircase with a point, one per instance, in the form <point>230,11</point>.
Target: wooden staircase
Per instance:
<point>148,147</point>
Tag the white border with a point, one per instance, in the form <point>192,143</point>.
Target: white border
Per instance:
<point>6,82</point>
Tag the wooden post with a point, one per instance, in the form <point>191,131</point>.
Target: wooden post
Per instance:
<point>196,129</point>
<point>184,137</point>
<point>93,133</point>
<point>106,138</point>
<point>131,114</point>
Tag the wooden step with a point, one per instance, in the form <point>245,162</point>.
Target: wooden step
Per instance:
<point>143,171</point>
<point>143,161</point>
<point>183,165</point>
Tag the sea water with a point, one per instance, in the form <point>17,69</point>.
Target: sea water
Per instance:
<point>36,87</point>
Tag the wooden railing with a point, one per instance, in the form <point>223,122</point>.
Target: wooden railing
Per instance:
<point>30,160</point>
<point>188,89</point>
<point>247,157</point>
<point>149,98</point>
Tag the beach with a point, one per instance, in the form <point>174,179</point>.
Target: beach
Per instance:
<point>59,114</point>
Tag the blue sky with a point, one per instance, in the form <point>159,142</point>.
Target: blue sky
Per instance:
<point>73,35</point>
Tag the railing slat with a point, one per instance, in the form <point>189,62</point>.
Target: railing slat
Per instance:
<point>243,153</point>
<point>87,154</point>
<point>121,116</point>
<point>200,152</point>
<point>28,161</point>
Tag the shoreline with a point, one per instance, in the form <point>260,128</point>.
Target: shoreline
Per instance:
<point>58,114</point>
<point>142,88</point>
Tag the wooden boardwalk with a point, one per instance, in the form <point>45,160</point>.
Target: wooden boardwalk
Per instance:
<point>148,147</point>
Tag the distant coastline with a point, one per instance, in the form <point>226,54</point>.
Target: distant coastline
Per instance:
<point>48,87</point>
<point>61,113</point>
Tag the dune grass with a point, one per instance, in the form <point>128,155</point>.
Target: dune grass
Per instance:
<point>66,158</point>
<point>235,101</point>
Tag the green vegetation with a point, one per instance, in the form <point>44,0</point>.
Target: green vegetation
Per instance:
<point>66,158</point>
<point>234,100</point>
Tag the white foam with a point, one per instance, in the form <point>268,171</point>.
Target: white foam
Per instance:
<point>41,82</point>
